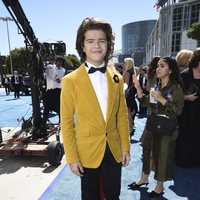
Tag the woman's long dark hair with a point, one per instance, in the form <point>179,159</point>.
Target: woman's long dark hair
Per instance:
<point>175,72</point>
<point>152,67</point>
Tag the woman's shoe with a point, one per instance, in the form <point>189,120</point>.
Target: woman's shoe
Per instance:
<point>155,194</point>
<point>134,185</point>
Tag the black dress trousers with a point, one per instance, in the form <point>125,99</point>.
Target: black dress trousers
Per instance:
<point>110,172</point>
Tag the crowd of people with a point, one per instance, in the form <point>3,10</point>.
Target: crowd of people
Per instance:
<point>50,90</point>
<point>15,84</point>
<point>97,105</point>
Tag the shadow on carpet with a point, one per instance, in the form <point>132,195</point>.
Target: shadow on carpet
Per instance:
<point>185,186</point>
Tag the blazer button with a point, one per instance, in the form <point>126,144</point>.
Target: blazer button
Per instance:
<point>106,134</point>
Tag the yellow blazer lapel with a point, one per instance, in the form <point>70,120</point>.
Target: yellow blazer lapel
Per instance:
<point>86,88</point>
<point>112,89</point>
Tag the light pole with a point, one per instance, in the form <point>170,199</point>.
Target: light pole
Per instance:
<point>6,19</point>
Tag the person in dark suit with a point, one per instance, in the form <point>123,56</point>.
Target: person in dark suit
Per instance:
<point>16,81</point>
<point>6,84</point>
<point>94,118</point>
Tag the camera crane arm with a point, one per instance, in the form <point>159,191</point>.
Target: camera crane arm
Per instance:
<point>18,15</point>
<point>36,65</point>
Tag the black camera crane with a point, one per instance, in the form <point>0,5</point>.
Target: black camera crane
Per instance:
<point>36,62</point>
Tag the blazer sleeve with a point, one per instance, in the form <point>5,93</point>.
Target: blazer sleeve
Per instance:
<point>122,119</point>
<point>67,120</point>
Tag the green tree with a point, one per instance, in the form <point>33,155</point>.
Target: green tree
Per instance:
<point>22,56</point>
<point>72,61</point>
<point>19,59</point>
<point>194,32</point>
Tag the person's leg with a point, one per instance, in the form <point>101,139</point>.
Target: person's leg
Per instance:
<point>9,88</point>
<point>89,184</point>
<point>111,176</point>
<point>147,142</point>
<point>48,98</point>
<point>17,90</point>
<point>56,94</point>
<point>130,120</point>
<point>162,153</point>
<point>147,158</point>
<point>158,191</point>
<point>143,179</point>
<point>6,89</point>
<point>159,187</point>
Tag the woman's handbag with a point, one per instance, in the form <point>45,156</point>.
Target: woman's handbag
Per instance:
<point>160,124</point>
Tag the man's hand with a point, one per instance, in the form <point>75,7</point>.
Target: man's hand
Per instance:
<point>125,159</point>
<point>76,168</point>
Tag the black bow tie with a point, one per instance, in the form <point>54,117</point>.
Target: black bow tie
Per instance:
<point>93,69</point>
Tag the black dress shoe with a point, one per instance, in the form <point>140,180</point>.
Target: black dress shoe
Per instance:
<point>155,194</point>
<point>134,185</point>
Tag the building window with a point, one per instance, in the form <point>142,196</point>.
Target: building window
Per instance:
<point>195,13</point>
<point>186,17</point>
<point>177,18</point>
<point>176,40</point>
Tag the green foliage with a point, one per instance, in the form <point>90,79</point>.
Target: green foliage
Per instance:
<point>20,57</point>
<point>19,60</point>
<point>72,61</point>
<point>194,31</point>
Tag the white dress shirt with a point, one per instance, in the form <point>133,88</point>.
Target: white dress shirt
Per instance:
<point>16,79</point>
<point>49,76</point>
<point>99,83</point>
<point>59,72</point>
<point>54,73</point>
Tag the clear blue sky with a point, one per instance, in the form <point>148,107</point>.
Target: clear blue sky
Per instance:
<point>54,20</point>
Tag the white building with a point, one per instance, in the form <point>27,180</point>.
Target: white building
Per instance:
<point>170,32</point>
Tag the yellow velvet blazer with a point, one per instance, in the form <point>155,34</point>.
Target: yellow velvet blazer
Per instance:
<point>83,128</point>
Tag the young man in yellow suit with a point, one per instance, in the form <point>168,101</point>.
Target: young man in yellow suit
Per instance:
<point>94,120</point>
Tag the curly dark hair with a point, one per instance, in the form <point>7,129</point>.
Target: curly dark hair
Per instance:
<point>94,24</point>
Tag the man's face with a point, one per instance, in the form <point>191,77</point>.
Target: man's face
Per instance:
<point>95,46</point>
<point>59,63</point>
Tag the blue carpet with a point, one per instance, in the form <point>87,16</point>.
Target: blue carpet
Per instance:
<point>66,186</point>
<point>185,186</point>
<point>12,110</point>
